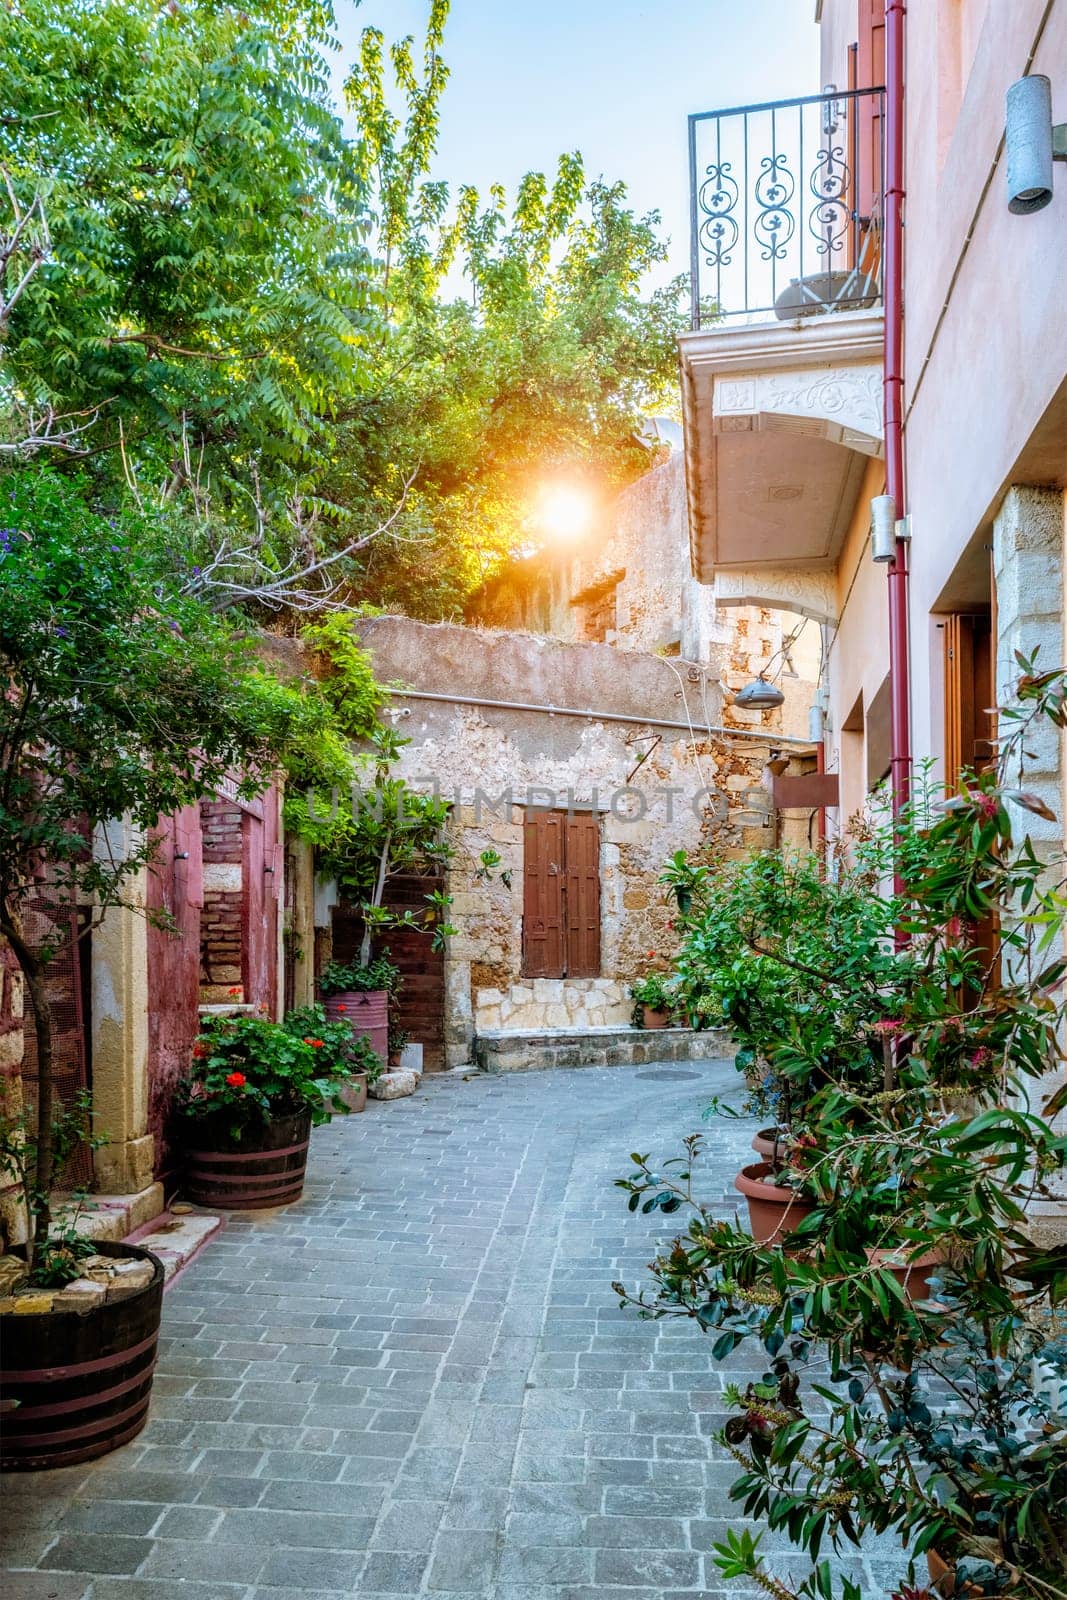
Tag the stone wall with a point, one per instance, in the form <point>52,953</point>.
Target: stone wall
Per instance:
<point>1028,559</point>
<point>629,581</point>
<point>656,788</point>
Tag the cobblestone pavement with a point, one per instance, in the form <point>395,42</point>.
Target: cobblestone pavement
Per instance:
<point>418,1380</point>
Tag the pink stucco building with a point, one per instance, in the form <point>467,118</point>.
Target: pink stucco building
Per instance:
<point>784,380</point>
<point>783,374</point>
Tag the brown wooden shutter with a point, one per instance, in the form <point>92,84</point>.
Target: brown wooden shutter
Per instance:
<point>870,74</point>
<point>582,904</point>
<point>969,729</point>
<point>542,919</point>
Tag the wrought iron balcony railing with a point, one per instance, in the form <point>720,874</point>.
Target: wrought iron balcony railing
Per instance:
<point>786,203</point>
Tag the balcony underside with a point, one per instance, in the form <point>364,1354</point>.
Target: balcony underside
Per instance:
<point>780,420</point>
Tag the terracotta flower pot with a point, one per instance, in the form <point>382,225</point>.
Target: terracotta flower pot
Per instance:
<point>769,1144</point>
<point>913,1275</point>
<point>655,1018</point>
<point>943,1578</point>
<point>367,1014</point>
<point>773,1211</point>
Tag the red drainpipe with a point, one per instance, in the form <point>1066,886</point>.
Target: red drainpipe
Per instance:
<point>893,289</point>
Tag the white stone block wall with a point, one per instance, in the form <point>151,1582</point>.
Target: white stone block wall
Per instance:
<point>1028,562</point>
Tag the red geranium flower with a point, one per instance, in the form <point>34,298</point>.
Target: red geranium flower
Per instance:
<point>342,1007</point>
<point>317,1044</point>
<point>235,990</point>
<point>236,1080</point>
<point>199,1052</point>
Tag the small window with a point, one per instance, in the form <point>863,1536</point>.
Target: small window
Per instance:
<point>561,895</point>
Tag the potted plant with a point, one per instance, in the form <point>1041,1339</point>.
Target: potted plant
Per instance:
<point>398,1039</point>
<point>652,1003</point>
<point>347,1059</point>
<point>926,1315</point>
<point>247,1109</point>
<point>358,993</point>
<point>78,1323</point>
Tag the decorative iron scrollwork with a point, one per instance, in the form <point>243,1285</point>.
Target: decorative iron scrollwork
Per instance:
<point>830,217</point>
<point>775,224</point>
<point>719,231</point>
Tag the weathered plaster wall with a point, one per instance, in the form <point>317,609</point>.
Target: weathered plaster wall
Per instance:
<point>488,762</point>
<point>632,572</point>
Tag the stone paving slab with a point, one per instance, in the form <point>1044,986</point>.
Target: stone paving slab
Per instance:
<point>418,1381</point>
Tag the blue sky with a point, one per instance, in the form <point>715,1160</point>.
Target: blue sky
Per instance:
<point>612,78</point>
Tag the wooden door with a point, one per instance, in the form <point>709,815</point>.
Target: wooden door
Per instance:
<point>561,895</point>
<point>542,918</point>
<point>581,904</point>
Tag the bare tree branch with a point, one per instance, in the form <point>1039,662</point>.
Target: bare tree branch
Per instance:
<point>236,574</point>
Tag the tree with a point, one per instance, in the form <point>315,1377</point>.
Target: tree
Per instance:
<point>547,368</point>
<point>204,291</point>
<point>123,698</point>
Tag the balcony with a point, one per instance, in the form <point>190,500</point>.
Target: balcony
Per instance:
<point>782,369</point>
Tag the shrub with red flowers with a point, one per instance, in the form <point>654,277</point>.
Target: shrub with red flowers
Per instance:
<point>341,1053</point>
<point>247,1071</point>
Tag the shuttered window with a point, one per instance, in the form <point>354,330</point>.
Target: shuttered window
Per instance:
<point>870,73</point>
<point>969,727</point>
<point>561,895</point>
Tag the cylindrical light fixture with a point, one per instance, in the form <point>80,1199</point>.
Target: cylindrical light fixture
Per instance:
<point>1028,144</point>
<point>883,527</point>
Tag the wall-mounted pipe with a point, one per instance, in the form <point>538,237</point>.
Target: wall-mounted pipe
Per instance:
<point>899,666</point>
<point>696,729</point>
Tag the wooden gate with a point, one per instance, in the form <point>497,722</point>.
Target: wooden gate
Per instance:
<point>420,1011</point>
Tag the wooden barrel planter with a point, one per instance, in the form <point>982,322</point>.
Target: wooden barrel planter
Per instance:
<point>367,1014</point>
<point>76,1384</point>
<point>264,1168</point>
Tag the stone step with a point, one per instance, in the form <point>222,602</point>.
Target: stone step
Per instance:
<point>176,1237</point>
<point>500,1050</point>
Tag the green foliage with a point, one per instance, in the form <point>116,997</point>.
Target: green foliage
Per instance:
<point>353,977</point>
<point>650,991</point>
<point>343,1053</point>
<point>248,1071</point>
<point>206,294</point>
<point>124,697</point>
<point>346,676</point>
<point>57,1261</point>
<point>389,828</point>
<point>906,1321</point>
<point>545,371</point>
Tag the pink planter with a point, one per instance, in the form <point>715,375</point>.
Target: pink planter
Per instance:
<point>367,1014</point>
<point>773,1212</point>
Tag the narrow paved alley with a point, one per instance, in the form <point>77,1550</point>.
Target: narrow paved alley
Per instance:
<point>418,1380</point>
